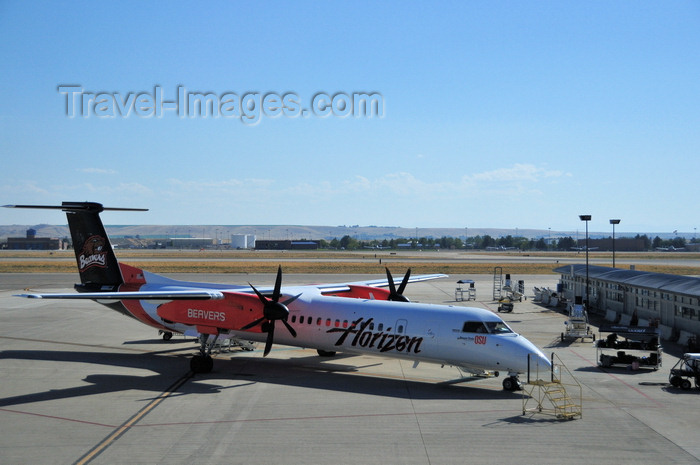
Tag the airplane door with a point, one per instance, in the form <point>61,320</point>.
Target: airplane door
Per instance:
<point>400,327</point>
<point>430,331</point>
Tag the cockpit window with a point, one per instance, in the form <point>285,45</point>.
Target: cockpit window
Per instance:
<point>490,327</point>
<point>474,327</point>
<point>498,327</point>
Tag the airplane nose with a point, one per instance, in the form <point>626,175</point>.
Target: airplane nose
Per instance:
<point>527,356</point>
<point>540,359</point>
<point>538,362</point>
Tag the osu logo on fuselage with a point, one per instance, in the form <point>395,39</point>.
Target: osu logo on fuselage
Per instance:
<point>94,253</point>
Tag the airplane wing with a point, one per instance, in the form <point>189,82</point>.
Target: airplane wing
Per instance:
<point>202,294</point>
<point>384,282</point>
<point>213,294</point>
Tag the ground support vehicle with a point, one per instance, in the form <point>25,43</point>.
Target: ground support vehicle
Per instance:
<point>633,346</point>
<point>577,324</point>
<point>687,368</point>
<point>505,305</point>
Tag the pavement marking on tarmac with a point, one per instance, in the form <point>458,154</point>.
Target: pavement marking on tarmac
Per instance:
<point>128,424</point>
<point>656,403</point>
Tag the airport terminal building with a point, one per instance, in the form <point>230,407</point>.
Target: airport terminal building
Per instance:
<point>671,302</point>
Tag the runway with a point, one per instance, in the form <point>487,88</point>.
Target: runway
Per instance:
<point>83,384</point>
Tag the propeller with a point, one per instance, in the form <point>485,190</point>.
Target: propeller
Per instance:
<point>273,310</point>
<point>397,294</point>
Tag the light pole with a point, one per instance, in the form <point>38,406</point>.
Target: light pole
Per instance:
<point>586,218</point>
<point>613,223</point>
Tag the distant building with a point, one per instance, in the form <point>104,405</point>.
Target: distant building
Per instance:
<point>31,242</point>
<point>191,242</point>
<point>670,302</point>
<point>242,241</point>
<point>285,245</point>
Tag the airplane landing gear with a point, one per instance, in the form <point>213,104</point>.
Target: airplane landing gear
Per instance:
<point>511,383</point>
<point>167,335</point>
<point>202,362</point>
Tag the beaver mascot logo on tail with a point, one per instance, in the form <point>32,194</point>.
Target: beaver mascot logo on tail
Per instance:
<point>94,253</point>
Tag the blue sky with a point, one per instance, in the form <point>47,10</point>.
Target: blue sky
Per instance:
<point>495,114</point>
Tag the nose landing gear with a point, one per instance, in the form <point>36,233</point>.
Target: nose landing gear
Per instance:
<point>512,383</point>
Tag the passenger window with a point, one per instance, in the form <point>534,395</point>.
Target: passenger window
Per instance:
<point>328,322</point>
<point>380,327</point>
<point>400,329</point>
<point>371,326</point>
<point>309,320</point>
<point>337,323</point>
<point>318,321</point>
<point>345,323</point>
<point>294,318</point>
<point>301,320</point>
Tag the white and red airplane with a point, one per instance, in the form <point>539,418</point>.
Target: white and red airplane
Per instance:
<point>358,317</point>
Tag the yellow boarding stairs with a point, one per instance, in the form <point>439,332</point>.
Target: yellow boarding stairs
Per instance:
<point>552,391</point>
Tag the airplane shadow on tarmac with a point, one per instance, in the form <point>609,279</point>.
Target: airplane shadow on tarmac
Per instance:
<point>306,372</point>
<point>169,370</point>
<point>321,373</point>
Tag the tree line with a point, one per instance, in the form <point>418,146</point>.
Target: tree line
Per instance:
<point>486,241</point>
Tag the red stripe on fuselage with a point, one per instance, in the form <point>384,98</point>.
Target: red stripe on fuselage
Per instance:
<point>233,312</point>
<point>133,280</point>
<point>136,310</point>
<point>363,292</point>
<point>131,274</point>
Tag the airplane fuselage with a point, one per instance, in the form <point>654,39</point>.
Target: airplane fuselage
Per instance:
<point>471,338</point>
<point>468,337</point>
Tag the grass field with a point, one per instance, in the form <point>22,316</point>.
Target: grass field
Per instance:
<point>364,262</point>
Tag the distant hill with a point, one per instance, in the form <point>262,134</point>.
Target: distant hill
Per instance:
<point>292,232</point>
<point>298,232</point>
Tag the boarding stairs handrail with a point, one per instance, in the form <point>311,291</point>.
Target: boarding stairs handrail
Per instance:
<point>554,390</point>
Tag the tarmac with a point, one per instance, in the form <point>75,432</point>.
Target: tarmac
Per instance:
<point>83,384</point>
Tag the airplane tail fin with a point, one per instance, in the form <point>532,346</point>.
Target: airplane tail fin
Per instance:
<point>97,264</point>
